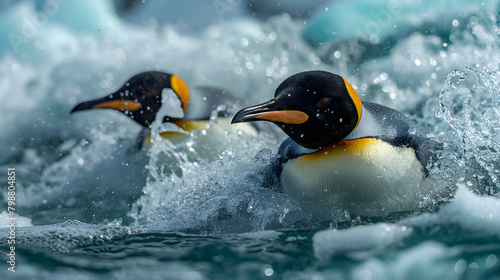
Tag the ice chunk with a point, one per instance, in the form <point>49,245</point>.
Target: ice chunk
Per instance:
<point>425,261</point>
<point>24,26</point>
<point>367,238</point>
<point>196,17</point>
<point>375,21</point>
<point>476,215</point>
<point>20,220</point>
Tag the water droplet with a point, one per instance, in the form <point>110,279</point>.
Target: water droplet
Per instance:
<point>491,261</point>
<point>460,266</point>
<point>473,265</point>
<point>244,42</point>
<point>269,272</point>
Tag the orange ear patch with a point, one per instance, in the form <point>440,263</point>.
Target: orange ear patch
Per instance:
<point>181,89</point>
<point>355,98</point>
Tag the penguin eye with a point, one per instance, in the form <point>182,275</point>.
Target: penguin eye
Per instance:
<point>323,102</point>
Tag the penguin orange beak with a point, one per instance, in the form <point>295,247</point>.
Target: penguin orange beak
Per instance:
<point>268,111</point>
<point>112,101</point>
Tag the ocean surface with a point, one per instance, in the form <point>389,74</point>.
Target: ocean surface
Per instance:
<point>88,205</point>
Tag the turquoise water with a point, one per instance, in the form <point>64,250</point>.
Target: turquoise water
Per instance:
<point>91,207</point>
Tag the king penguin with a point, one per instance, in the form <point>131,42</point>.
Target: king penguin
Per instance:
<point>360,157</point>
<point>140,98</point>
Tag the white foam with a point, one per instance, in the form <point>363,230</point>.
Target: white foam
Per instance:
<point>475,215</point>
<point>66,236</point>
<point>265,234</point>
<point>429,260</point>
<point>359,239</point>
<point>5,219</point>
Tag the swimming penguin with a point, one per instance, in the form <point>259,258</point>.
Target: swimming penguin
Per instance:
<point>357,156</point>
<point>140,98</point>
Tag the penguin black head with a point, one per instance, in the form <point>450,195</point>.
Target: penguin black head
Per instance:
<point>140,97</point>
<point>314,108</point>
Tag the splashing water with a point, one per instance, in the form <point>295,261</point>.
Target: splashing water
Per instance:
<point>475,125</point>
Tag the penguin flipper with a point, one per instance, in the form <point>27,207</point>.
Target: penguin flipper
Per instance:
<point>139,141</point>
<point>288,150</point>
<point>270,172</point>
<point>399,130</point>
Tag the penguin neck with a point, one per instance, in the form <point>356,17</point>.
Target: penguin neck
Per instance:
<point>367,127</point>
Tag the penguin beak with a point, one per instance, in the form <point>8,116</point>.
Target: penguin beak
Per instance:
<point>269,111</point>
<point>112,101</point>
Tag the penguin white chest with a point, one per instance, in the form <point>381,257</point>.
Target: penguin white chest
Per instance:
<point>365,176</point>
